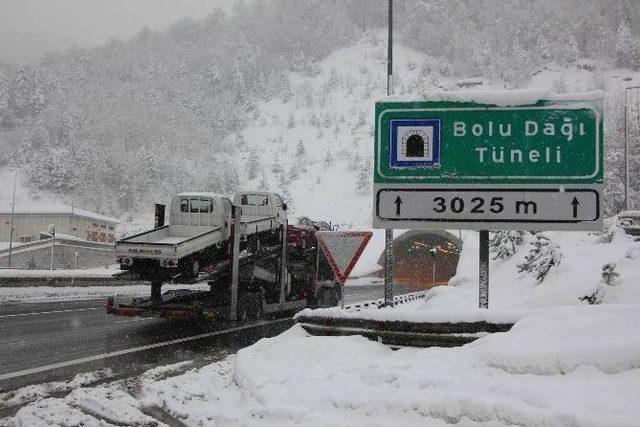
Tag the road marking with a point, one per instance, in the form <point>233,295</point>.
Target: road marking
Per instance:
<point>140,319</point>
<point>131,350</point>
<point>49,312</point>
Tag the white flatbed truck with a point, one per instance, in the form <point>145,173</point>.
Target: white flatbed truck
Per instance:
<point>198,233</point>
<point>252,280</point>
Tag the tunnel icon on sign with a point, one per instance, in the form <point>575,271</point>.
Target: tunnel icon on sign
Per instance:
<point>415,144</point>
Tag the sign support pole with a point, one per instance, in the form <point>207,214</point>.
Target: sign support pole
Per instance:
<point>235,252</point>
<point>483,297</point>
<point>388,233</point>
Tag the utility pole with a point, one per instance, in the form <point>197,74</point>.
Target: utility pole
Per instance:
<point>52,230</point>
<point>388,232</point>
<point>626,149</point>
<point>13,209</point>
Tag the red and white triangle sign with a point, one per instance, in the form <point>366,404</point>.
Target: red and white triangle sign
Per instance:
<point>343,249</point>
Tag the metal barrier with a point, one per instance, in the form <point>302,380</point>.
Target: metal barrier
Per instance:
<point>397,300</point>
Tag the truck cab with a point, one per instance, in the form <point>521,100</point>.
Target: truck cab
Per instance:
<point>190,213</point>
<point>261,204</point>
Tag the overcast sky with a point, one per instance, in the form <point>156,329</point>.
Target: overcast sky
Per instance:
<point>29,28</point>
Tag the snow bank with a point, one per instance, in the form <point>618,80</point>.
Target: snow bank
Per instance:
<point>543,372</point>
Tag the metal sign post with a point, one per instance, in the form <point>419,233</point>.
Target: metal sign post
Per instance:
<point>458,163</point>
<point>388,233</point>
<point>235,256</point>
<point>483,274</point>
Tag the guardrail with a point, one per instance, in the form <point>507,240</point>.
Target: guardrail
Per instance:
<point>398,333</point>
<point>397,300</point>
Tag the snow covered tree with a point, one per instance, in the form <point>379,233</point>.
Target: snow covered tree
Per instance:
<point>504,244</point>
<point>624,45</point>
<point>294,173</point>
<point>541,258</point>
<point>301,149</point>
<point>253,164</point>
<point>291,121</point>
<point>571,50</point>
<point>328,159</point>
<point>276,167</point>
<point>263,185</point>
<point>363,178</point>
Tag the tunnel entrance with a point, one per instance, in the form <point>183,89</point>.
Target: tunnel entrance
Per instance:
<point>415,146</point>
<point>416,253</point>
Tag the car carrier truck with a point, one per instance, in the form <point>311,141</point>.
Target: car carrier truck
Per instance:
<point>249,274</point>
<point>198,234</point>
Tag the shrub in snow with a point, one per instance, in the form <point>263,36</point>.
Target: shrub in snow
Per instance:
<point>503,244</point>
<point>543,255</point>
<point>604,236</point>
<point>595,297</point>
<point>610,274</point>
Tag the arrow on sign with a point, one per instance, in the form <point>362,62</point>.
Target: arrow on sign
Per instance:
<point>398,202</point>
<point>575,204</point>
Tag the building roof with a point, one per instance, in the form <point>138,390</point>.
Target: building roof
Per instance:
<point>63,209</point>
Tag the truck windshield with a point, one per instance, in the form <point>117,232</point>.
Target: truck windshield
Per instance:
<point>254,200</point>
<point>200,206</point>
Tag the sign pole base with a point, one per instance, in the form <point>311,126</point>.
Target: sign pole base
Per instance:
<point>483,296</point>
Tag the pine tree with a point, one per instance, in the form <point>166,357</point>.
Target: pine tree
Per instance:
<point>572,52</point>
<point>624,45</point>
<point>301,150</point>
<point>504,244</point>
<point>291,121</point>
<point>294,173</point>
<point>541,258</point>
<point>363,178</point>
<point>328,158</point>
<point>263,185</point>
<point>253,164</point>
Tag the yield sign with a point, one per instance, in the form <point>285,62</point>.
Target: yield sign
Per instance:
<point>343,249</point>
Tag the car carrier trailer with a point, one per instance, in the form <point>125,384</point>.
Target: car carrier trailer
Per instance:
<point>252,281</point>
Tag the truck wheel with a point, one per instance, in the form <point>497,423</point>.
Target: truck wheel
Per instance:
<point>193,268</point>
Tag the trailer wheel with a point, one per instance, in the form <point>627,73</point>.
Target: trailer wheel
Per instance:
<point>244,310</point>
<point>328,297</point>
<point>256,312</point>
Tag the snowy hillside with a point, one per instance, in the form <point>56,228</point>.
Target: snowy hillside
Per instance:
<point>317,147</point>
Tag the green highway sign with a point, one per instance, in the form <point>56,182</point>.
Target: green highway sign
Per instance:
<point>470,165</point>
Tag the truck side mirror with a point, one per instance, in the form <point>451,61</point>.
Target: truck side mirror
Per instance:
<point>284,206</point>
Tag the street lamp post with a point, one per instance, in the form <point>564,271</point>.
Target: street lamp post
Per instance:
<point>13,209</point>
<point>626,149</point>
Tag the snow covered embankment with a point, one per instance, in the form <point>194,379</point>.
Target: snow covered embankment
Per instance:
<point>543,372</point>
